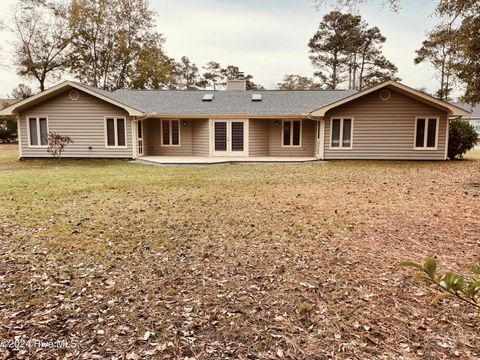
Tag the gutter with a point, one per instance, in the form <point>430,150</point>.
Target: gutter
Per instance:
<point>224,116</point>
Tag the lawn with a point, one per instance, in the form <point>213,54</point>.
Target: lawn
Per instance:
<point>128,261</point>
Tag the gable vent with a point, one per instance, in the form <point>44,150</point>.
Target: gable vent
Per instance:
<point>208,97</point>
<point>257,97</point>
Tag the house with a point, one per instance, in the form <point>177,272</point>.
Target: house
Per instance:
<point>7,102</point>
<point>386,121</point>
<point>3,104</point>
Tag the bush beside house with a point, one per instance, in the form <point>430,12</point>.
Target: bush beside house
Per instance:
<point>462,138</point>
<point>8,124</point>
<point>8,129</point>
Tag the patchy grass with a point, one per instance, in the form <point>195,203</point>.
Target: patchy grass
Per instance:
<point>245,261</point>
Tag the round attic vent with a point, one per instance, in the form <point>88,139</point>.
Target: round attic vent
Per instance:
<point>385,95</point>
<point>74,95</point>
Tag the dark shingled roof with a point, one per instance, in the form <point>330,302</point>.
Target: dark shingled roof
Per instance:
<point>189,102</point>
<point>475,110</point>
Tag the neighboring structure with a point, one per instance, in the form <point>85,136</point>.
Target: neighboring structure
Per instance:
<point>386,121</point>
<point>473,118</point>
<point>7,102</point>
<point>3,104</point>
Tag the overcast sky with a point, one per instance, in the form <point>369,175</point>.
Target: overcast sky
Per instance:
<point>268,38</point>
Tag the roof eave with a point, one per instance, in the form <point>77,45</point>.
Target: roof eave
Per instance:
<point>452,110</point>
<point>228,116</point>
<point>54,90</point>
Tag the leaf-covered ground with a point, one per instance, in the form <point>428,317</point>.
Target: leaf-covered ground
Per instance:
<point>108,259</point>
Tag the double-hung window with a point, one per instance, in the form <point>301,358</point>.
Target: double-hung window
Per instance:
<point>170,132</point>
<point>342,133</point>
<point>116,134</point>
<point>426,133</point>
<point>38,131</point>
<point>292,133</point>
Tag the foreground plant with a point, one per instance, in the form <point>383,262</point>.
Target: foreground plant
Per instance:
<point>467,290</point>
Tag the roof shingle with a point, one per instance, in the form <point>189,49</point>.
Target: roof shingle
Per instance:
<point>475,110</point>
<point>180,102</point>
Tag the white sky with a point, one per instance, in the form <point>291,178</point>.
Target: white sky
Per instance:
<point>266,38</point>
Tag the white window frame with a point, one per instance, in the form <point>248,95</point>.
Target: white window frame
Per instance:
<point>425,135</point>
<point>291,134</point>
<point>340,145</point>
<point>37,118</point>
<point>170,133</point>
<point>115,130</point>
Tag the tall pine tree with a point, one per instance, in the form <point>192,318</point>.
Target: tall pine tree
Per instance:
<point>345,49</point>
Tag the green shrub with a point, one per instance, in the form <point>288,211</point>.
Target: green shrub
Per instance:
<point>462,138</point>
<point>458,286</point>
<point>8,129</point>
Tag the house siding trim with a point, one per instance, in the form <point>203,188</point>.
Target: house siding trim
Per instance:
<point>115,132</point>
<point>394,86</point>
<point>342,118</point>
<point>447,138</point>
<point>39,134</point>
<point>291,134</point>
<point>385,130</point>
<point>425,139</point>
<point>170,133</point>
<point>19,135</point>
<point>82,120</point>
<point>246,135</point>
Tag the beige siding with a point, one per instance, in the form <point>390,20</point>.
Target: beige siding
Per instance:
<point>193,138</point>
<point>154,139</point>
<point>307,147</point>
<point>151,129</point>
<point>385,129</point>
<point>259,138</point>
<point>83,120</point>
<point>200,137</point>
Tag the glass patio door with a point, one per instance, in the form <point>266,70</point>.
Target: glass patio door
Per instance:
<point>229,138</point>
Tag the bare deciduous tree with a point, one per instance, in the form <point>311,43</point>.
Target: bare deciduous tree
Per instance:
<point>41,39</point>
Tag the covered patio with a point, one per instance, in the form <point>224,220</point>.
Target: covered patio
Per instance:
<point>213,141</point>
<point>211,160</point>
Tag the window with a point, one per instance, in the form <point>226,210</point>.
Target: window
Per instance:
<point>292,132</point>
<point>426,133</point>
<point>38,131</point>
<point>342,133</point>
<point>116,135</point>
<point>170,132</point>
<point>140,129</point>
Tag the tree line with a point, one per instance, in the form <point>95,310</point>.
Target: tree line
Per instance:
<point>451,49</point>
<point>107,44</point>
<point>114,44</point>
